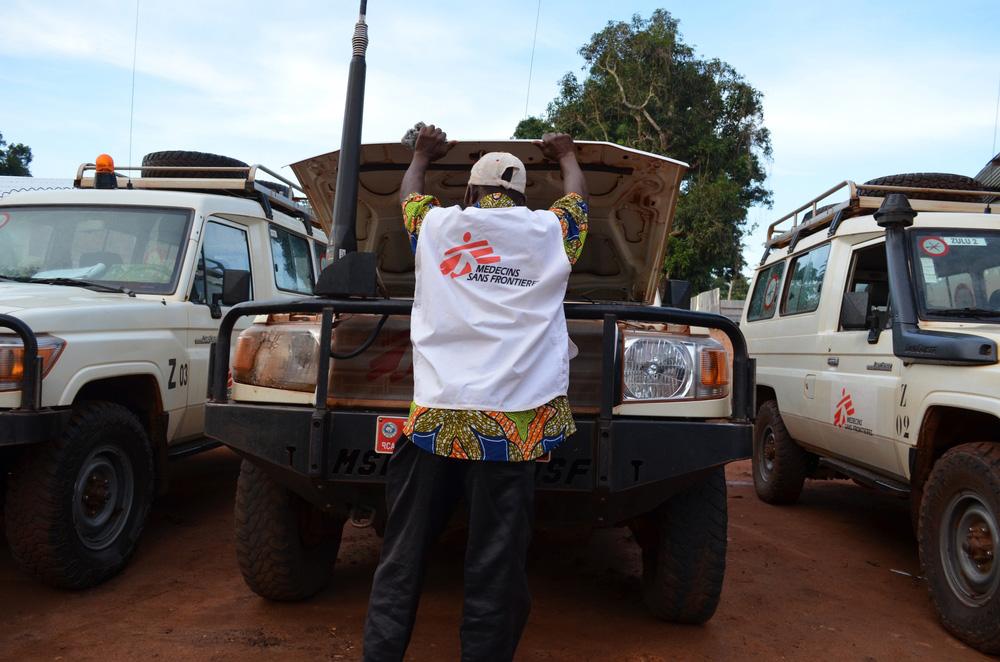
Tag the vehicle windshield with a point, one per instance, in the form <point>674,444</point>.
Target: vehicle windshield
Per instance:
<point>138,248</point>
<point>957,274</point>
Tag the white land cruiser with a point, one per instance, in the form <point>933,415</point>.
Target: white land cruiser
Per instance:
<point>111,294</point>
<point>322,385</point>
<point>875,322</point>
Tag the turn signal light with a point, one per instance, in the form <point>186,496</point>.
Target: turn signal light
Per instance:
<point>714,368</point>
<point>12,359</point>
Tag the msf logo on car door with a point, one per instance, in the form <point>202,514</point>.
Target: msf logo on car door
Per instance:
<point>854,408</point>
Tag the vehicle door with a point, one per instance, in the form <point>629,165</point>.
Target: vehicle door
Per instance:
<point>224,245</point>
<point>800,353</point>
<point>862,380</point>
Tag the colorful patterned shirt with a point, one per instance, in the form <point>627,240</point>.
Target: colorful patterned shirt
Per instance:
<point>463,434</point>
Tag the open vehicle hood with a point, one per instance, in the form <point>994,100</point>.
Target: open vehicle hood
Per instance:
<point>632,200</point>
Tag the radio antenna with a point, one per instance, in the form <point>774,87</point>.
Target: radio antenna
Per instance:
<point>131,103</point>
<point>531,62</point>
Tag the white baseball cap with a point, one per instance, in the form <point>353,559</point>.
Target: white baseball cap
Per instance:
<point>489,171</point>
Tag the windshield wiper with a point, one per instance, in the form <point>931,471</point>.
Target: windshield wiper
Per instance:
<point>965,312</point>
<point>78,282</point>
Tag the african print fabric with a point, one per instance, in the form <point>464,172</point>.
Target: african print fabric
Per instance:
<point>494,435</point>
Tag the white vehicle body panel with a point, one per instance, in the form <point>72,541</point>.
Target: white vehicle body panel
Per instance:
<point>812,366</point>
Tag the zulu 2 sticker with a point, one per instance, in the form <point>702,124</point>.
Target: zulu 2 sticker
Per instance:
<point>934,246</point>
<point>771,292</point>
<point>4,219</point>
<point>965,241</point>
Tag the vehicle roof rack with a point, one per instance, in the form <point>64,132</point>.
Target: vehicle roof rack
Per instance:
<point>246,186</point>
<point>818,217</point>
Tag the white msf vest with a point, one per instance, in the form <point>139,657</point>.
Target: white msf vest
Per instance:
<point>488,328</point>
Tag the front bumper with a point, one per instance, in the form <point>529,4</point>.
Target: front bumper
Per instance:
<point>620,470</point>
<point>18,428</point>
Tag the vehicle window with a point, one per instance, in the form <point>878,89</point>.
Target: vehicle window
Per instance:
<point>957,273</point>
<point>765,293</point>
<point>135,247</point>
<point>292,261</point>
<point>870,273</point>
<point>224,247</point>
<point>806,282</point>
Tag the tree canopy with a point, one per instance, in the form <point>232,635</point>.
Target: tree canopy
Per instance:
<point>645,88</point>
<point>14,159</point>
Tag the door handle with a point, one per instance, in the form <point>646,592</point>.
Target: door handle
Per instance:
<point>833,361</point>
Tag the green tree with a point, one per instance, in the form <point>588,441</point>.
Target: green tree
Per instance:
<point>15,159</point>
<point>646,88</point>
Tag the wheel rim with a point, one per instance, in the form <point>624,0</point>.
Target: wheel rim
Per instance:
<point>767,453</point>
<point>968,544</point>
<point>102,497</point>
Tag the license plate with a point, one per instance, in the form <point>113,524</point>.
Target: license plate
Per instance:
<point>388,430</point>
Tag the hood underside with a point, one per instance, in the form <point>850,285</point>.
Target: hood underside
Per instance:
<point>632,200</point>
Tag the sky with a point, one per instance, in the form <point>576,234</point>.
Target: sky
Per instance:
<point>852,90</point>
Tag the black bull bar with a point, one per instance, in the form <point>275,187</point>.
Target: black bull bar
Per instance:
<point>304,448</point>
<point>31,365</point>
<point>29,423</point>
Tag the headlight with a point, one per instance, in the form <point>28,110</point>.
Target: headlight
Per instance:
<point>12,358</point>
<point>289,362</point>
<point>664,367</point>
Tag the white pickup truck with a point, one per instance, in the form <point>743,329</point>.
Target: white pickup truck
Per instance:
<point>111,294</point>
<point>874,323</point>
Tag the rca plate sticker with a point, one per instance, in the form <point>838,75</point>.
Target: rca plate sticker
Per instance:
<point>388,430</point>
<point>854,407</point>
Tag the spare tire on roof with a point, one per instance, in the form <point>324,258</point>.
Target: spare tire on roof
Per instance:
<point>929,180</point>
<point>191,159</point>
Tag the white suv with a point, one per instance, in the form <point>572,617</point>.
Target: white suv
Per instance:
<point>874,322</point>
<point>111,294</point>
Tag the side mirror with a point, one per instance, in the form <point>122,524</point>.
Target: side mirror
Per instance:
<point>235,286</point>
<point>677,294</point>
<point>854,311</point>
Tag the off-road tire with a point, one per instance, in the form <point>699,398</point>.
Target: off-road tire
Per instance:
<point>929,180</point>
<point>275,557</point>
<point>684,559</point>
<point>968,474</point>
<point>780,481</point>
<point>44,491</point>
<point>191,159</point>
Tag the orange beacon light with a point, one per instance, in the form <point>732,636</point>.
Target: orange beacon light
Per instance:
<point>104,172</point>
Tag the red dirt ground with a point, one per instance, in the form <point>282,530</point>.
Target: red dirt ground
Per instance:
<point>812,581</point>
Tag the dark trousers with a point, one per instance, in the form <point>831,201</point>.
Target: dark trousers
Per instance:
<point>422,490</point>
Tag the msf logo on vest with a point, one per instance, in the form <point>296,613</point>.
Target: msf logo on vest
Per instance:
<point>459,261</point>
<point>477,262</point>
